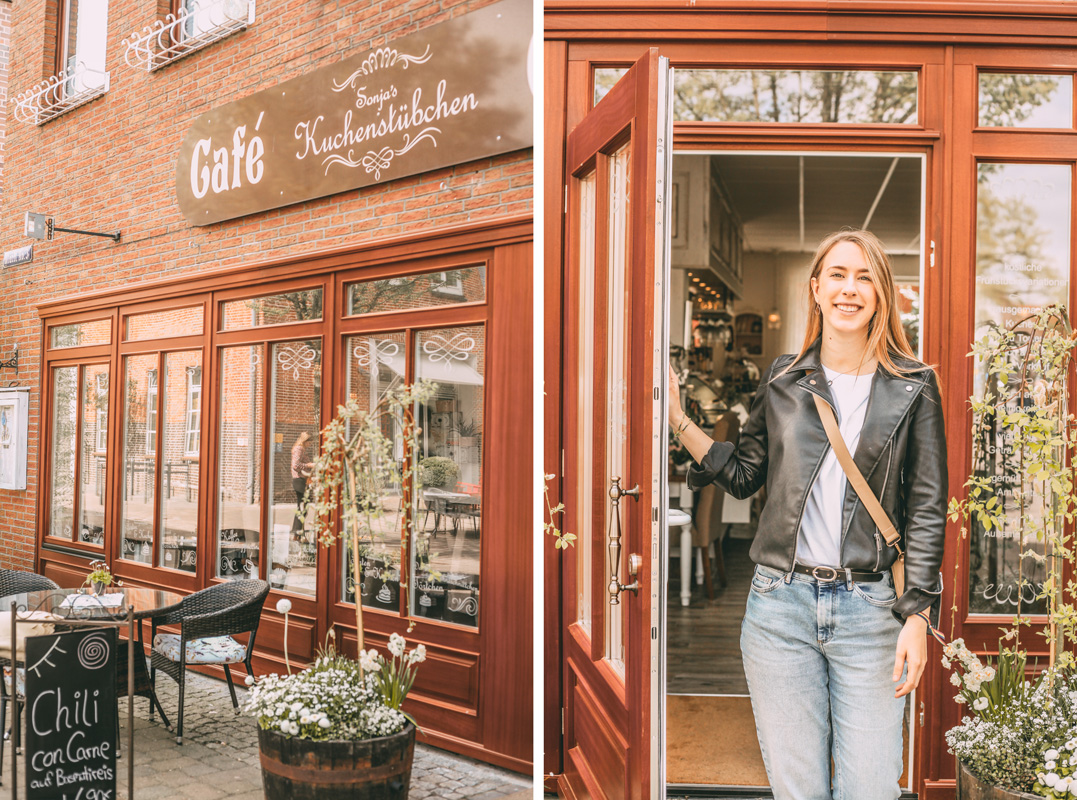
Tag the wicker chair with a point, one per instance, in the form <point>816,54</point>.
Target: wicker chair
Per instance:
<point>12,582</point>
<point>208,619</point>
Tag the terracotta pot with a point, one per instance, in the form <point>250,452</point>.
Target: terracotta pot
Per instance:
<point>969,787</point>
<point>369,769</point>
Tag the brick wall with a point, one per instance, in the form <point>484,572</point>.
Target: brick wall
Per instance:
<point>110,165</point>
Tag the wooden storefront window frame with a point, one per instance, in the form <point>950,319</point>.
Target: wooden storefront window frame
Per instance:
<point>410,323</point>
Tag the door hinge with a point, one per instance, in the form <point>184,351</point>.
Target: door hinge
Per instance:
<point>931,259</point>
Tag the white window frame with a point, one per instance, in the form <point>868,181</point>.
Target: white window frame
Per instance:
<point>101,418</point>
<point>193,417</point>
<point>153,396</point>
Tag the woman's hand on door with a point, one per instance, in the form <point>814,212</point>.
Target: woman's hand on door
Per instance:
<point>911,650</point>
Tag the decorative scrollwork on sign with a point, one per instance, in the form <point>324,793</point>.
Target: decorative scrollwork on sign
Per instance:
<point>377,161</point>
<point>62,92</point>
<point>296,357</point>
<point>193,27</point>
<point>380,59</point>
<point>377,352</point>
<point>463,605</point>
<point>458,348</point>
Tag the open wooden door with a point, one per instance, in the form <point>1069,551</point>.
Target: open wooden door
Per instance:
<point>616,295</point>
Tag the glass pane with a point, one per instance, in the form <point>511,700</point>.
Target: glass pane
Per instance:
<point>616,365</point>
<point>165,324</point>
<point>92,454</point>
<point>178,482</point>
<point>239,470</point>
<point>1022,265</point>
<point>410,292</point>
<point>585,395</point>
<point>448,514</point>
<point>376,363</point>
<point>274,309</point>
<point>86,27</point>
<point>65,409</point>
<point>295,420</point>
<point>1026,101</point>
<point>139,457</point>
<point>82,334</point>
<point>605,79</point>
<point>803,96</point>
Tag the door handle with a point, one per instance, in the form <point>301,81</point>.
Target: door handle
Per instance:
<point>634,561</point>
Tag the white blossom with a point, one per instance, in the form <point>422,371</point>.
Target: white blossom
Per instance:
<point>396,645</point>
<point>284,605</point>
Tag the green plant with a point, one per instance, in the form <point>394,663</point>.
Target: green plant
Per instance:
<point>438,471</point>
<point>562,541</point>
<point>356,466</point>
<point>395,676</point>
<point>1025,400</point>
<point>100,573</point>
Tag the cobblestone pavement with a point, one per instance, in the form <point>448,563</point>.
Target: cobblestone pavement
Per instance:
<point>219,756</point>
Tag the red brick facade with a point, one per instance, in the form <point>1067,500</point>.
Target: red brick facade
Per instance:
<point>109,165</point>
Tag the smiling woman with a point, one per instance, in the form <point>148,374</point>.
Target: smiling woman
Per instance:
<point>828,623</point>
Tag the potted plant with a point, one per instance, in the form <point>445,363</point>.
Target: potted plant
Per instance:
<point>100,577</point>
<point>335,729</point>
<point>1019,736</point>
<point>438,472</point>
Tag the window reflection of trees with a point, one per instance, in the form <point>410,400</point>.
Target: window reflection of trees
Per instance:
<point>1007,100</point>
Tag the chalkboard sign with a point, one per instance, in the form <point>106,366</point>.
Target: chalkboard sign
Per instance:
<point>71,715</point>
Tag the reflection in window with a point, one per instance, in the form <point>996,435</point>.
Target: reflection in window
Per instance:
<point>295,421</point>
<point>1022,265</point>
<point>239,469</point>
<point>1012,100</point>
<point>139,447</point>
<point>178,481</point>
<point>467,285</point>
<point>91,457</point>
<point>65,404</point>
<point>274,309</point>
<point>376,363</point>
<point>448,511</point>
<point>165,324</point>
<point>81,334</point>
<point>193,417</point>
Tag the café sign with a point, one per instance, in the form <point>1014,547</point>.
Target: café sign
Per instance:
<point>451,93</point>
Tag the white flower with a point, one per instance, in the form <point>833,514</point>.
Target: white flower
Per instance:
<point>249,680</point>
<point>1073,788</point>
<point>397,643</point>
<point>1050,765</point>
<point>946,662</point>
<point>955,679</point>
<point>284,605</point>
<point>418,655</point>
<point>324,722</point>
<point>369,660</point>
<point>1050,755</point>
<point>960,699</point>
<point>1049,780</point>
<point>980,703</point>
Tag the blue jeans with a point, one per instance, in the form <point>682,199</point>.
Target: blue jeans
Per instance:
<point>819,658</point>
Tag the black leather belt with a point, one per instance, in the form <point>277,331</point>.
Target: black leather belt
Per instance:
<point>837,573</point>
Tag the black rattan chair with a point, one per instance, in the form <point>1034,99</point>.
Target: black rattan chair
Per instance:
<point>13,581</point>
<point>208,620</point>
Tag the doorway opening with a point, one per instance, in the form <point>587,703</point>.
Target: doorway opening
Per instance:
<point>743,231</point>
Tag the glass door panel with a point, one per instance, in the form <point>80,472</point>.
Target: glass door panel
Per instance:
<point>295,422</point>
<point>239,468</point>
<point>585,377</point>
<point>65,405</point>
<point>93,453</point>
<point>141,390</point>
<point>178,478</point>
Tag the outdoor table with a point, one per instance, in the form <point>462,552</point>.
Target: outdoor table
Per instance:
<point>144,604</point>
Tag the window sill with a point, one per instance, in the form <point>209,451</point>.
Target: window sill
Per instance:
<point>51,98</point>
<point>167,40</point>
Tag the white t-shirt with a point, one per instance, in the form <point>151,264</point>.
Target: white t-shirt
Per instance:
<point>819,543</point>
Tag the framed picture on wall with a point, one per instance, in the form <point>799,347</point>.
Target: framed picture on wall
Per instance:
<point>13,411</point>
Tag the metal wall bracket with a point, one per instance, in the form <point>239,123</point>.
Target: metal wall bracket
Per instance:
<point>13,362</point>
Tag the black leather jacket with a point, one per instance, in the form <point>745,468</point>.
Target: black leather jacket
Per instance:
<point>901,453</point>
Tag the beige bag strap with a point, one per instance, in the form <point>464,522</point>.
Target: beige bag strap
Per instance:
<point>852,472</point>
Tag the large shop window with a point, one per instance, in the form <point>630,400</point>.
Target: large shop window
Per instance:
<point>447,512</point>
<point>1023,214</point>
<point>257,385</point>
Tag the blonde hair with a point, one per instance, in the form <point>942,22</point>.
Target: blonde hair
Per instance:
<point>886,336</point>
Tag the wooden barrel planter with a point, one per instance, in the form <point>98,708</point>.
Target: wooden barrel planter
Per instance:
<point>969,787</point>
<point>368,769</point>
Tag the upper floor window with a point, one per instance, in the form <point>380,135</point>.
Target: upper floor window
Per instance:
<point>191,25</point>
<point>80,74</point>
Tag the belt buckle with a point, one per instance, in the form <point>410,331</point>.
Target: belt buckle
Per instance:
<point>832,576</point>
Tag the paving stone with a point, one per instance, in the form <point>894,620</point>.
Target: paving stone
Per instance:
<point>219,757</point>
